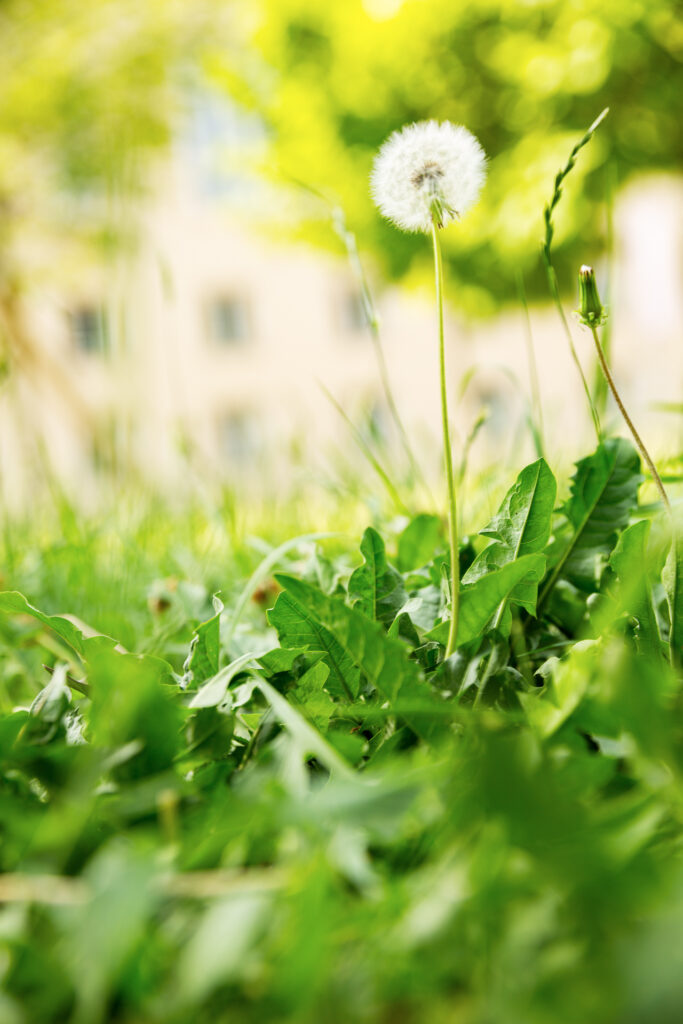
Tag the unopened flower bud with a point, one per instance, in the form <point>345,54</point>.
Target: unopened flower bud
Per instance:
<point>591,312</point>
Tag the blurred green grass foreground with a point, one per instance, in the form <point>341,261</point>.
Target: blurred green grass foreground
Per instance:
<point>241,779</point>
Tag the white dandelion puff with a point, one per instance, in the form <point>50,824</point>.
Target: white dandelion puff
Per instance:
<point>425,170</point>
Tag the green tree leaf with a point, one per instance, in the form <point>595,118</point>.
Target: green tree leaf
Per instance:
<point>375,587</point>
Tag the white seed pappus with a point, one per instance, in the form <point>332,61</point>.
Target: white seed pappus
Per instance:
<point>423,164</point>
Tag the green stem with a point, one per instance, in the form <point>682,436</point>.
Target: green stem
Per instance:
<point>648,462</point>
<point>629,422</point>
<point>367,452</point>
<point>448,457</point>
<point>372,319</point>
<point>538,429</point>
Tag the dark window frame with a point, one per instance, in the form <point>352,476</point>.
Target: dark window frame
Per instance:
<point>228,320</point>
<point>89,328</point>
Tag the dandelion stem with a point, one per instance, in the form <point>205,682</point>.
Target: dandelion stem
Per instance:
<point>629,422</point>
<point>448,457</point>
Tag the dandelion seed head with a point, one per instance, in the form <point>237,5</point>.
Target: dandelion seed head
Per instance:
<point>426,167</point>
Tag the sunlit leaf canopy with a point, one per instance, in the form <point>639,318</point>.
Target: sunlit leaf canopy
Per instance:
<point>87,90</point>
<point>84,99</point>
<point>526,77</point>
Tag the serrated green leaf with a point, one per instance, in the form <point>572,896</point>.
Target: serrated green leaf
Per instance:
<point>311,698</point>
<point>629,561</point>
<point>404,629</point>
<point>568,681</point>
<point>204,656</point>
<point>520,527</point>
<point>308,738</point>
<point>299,628</point>
<point>480,600</point>
<point>672,577</point>
<point>214,690</point>
<point>364,644</point>
<point>289,659</point>
<point>375,587</point>
<point>14,603</point>
<point>419,542</point>
<point>604,491</point>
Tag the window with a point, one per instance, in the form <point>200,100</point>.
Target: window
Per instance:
<point>239,437</point>
<point>227,320</point>
<point>89,329</point>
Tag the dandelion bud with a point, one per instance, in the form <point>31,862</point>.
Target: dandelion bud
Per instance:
<point>591,311</point>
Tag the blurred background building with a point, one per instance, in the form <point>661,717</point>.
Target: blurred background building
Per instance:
<point>215,346</point>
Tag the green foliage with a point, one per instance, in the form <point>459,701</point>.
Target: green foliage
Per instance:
<point>375,588</point>
<point>418,541</point>
<point>520,527</point>
<point>14,603</point>
<point>629,560</point>
<point>346,825</point>
<point>673,582</point>
<point>301,628</point>
<point>202,661</point>
<point>480,599</point>
<point>604,492</point>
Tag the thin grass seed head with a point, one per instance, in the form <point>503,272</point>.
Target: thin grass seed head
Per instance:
<point>428,170</point>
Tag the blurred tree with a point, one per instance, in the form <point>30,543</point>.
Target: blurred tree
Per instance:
<point>526,76</point>
<point>88,90</point>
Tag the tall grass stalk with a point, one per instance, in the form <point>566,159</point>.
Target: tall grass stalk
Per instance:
<point>600,389</point>
<point>537,426</point>
<point>384,476</point>
<point>550,269</point>
<point>372,321</point>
